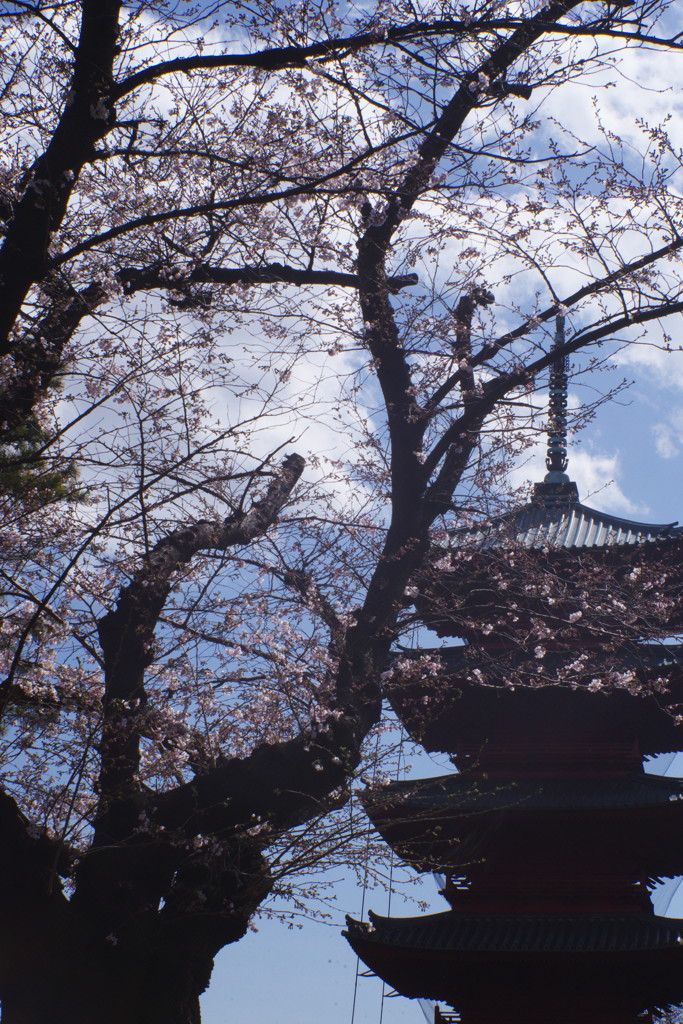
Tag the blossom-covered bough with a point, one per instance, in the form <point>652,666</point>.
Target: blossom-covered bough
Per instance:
<point>216,254</point>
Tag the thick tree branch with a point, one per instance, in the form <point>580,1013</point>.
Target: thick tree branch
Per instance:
<point>29,863</point>
<point>39,356</point>
<point>87,116</point>
<point>127,632</point>
<point>40,352</point>
<point>458,437</point>
<point>280,58</point>
<point>135,280</point>
<point>277,786</point>
<point>283,57</point>
<point>607,329</point>
<point>594,288</point>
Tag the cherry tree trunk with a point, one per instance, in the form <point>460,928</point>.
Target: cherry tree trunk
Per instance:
<point>53,977</point>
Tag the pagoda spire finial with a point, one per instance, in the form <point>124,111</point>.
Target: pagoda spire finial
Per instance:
<point>556,456</point>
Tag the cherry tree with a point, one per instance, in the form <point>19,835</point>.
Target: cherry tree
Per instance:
<point>276,284</point>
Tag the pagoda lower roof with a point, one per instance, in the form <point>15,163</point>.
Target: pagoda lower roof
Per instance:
<point>454,931</point>
<point>530,968</point>
<point>460,794</point>
<point>637,690</point>
<point>496,659</point>
<point>633,820</point>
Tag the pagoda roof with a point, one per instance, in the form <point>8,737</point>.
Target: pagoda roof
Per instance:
<point>454,931</point>
<point>528,967</point>
<point>555,518</point>
<point>461,794</point>
<point>459,820</point>
<point>472,700</point>
<point>532,570</point>
<point>636,656</point>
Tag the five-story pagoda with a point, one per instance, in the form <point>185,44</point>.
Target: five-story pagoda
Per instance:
<point>550,835</point>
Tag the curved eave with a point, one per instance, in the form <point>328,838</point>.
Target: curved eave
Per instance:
<point>470,703</point>
<point>574,527</point>
<point>529,968</point>
<point>640,657</point>
<point>461,795</point>
<point>544,934</point>
<point>450,822</point>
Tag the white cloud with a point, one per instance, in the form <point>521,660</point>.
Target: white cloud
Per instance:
<point>597,477</point>
<point>663,368</point>
<point>668,434</point>
<point>666,442</point>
